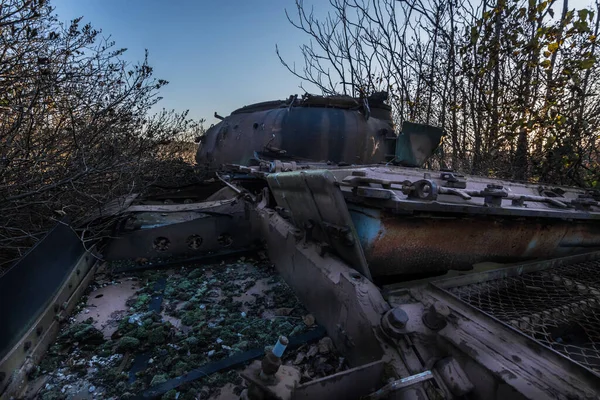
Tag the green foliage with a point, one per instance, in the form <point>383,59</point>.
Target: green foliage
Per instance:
<point>127,343</point>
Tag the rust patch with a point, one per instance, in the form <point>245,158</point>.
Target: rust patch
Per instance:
<point>427,244</point>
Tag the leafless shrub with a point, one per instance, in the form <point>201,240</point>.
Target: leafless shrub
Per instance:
<point>75,124</point>
<point>515,83</point>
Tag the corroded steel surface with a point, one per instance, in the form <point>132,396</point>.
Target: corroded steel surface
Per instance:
<point>414,221</point>
<point>316,133</point>
<point>396,244</point>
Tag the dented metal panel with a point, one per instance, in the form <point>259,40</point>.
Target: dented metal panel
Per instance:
<point>318,207</point>
<point>346,304</point>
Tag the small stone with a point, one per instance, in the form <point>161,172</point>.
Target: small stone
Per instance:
<point>243,314</point>
<point>158,379</point>
<point>313,351</point>
<point>135,319</point>
<point>299,358</point>
<point>210,353</point>
<point>283,312</point>
<point>87,311</point>
<point>309,320</point>
<point>219,340</point>
<point>92,389</point>
<point>325,345</point>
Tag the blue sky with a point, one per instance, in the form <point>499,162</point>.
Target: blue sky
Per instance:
<point>217,55</point>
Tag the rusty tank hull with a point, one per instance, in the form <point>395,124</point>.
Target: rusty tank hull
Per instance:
<point>387,221</point>
<point>416,221</point>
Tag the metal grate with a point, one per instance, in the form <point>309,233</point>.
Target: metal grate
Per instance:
<point>558,306</point>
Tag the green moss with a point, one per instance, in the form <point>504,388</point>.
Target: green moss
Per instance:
<point>170,395</point>
<point>180,368</point>
<point>156,335</point>
<point>127,343</point>
<point>82,333</point>
<point>53,395</point>
<point>158,379</point>
<point>184,286</point>
<point>109,374</point>
<point>195,273</point>
<point>192,341</point>
<point>140,333</point>
<point>190,394</point>
<point>193,317</point>
<point>142,301</point>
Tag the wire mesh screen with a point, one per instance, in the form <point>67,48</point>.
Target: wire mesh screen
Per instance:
<point>559,306</point>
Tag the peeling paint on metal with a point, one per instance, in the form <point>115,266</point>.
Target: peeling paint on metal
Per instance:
<point>429,243</point>
<point>367,222</point>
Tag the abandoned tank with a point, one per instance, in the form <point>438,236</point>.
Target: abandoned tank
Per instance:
<point>372,278</point>
<point>405,220</point>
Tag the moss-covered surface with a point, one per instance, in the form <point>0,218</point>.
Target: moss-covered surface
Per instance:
<point>207,313</point>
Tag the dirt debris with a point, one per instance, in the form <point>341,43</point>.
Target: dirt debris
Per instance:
<point>203,313</point>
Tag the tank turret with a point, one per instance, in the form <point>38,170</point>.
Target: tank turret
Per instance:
<point>336,129</point>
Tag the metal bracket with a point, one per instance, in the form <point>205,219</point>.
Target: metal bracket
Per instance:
<point>314,198</point>
<point>424,189</point>
<point>493,195</point>
<point>453,180</point>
